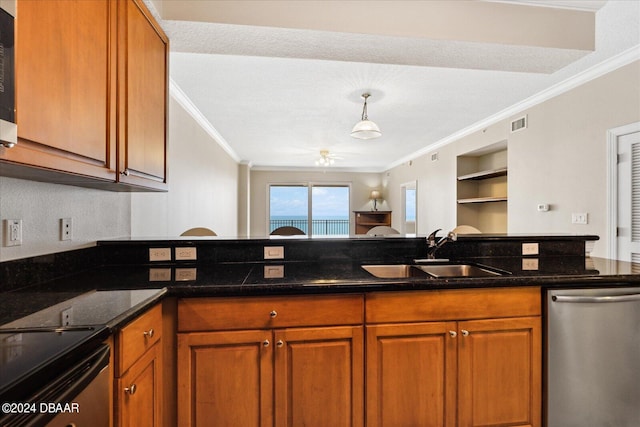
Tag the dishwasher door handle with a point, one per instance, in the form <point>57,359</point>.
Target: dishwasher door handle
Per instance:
<point>597,299</point>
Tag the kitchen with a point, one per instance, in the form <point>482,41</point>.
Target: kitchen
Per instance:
<point>607,101</point>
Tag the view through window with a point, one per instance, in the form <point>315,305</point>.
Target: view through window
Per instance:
<point>290,205</point>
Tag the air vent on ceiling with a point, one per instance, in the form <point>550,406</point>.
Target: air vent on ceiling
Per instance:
<point>519,124</point>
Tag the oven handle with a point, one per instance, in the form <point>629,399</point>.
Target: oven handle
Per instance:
<point>596,299</point>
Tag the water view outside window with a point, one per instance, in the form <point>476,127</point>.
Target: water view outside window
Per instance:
<point>289,205</point>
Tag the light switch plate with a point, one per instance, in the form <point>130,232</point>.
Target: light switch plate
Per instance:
<point>274,252</point>
<point>529,249</point>
<point>580,218</point>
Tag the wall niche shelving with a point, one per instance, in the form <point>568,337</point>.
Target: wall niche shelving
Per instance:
<point>482,178</point>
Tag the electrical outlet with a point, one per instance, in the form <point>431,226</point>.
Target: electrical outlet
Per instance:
<point>159,254</point>
<point>66,228</point>
<point>187,253</point>
<point>530,264</point>
<point>12,232</point>
<point>274,271</point>
<point>66,317</point>
<point>185,274</point>
<point>159,274</point>
<point>529,249</point>
<point>274,252</point>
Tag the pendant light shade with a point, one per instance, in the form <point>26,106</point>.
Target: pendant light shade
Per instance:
<point>365,128</point>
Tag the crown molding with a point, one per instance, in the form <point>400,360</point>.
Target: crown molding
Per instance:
<point>624,58</point>
<point>197,115</point>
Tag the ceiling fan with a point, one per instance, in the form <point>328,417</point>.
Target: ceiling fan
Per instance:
<point>326,158</point>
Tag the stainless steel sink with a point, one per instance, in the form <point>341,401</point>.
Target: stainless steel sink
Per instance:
<point>395,271</point>
<point>457,270</point>
<point>399,271</point>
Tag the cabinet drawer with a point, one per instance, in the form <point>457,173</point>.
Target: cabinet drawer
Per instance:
<point>137,337</point>
<point>206,314</point>
<point>383,307</point>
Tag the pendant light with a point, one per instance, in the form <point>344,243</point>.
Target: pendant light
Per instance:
<point>365,128</point>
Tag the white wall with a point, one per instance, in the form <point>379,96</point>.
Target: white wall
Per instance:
<point>202,192</point>
<point>96,215</point>
<point>361,186</point>
<point>560,159</point>
<point>203,185</point>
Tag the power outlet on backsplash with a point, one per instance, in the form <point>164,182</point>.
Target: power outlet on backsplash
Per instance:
<point>530,249</point>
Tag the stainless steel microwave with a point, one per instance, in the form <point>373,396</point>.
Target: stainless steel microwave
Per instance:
<point>8,127</point>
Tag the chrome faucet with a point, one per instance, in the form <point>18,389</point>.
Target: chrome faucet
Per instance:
<point>433,245</point>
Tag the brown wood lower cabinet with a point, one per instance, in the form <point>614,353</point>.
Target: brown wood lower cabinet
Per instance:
<point>138,383</point>
<point>140,393</point>
<point>433,358</point>
<point>305,369</point>
<point>454,372</point>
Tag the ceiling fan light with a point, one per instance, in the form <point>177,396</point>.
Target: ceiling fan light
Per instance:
<point>366,129</point>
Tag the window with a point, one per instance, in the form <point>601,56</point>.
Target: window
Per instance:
<point>290,205</point>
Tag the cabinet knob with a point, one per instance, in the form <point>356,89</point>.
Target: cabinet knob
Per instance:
<point>149,333</point>
<point>125,172</point>
<point>280,343</point>
<point>465,333</point>
<point>6,144</point>
<point>273,314</point>
<point>131,390</point>
<point>265,343</point>
<point>453,334</point>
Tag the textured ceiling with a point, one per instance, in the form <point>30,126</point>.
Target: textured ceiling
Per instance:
<point>276,96</point>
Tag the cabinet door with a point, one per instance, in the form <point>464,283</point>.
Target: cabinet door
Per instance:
<point>411,375</point>
<point>500,372</point>
<point>142,85</point>
<point>139,392</point>
<point>65,87</point>
<point>319,377</point>
<point>225,378</point>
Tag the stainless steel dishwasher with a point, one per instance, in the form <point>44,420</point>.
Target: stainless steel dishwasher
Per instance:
<point>593,358</point>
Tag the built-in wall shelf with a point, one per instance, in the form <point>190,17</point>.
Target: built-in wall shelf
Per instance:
<point>482,200</point>
<point>487,174</point>
<point>482,188</point>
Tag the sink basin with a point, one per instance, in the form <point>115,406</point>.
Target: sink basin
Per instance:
<point>457,270</point>
<point>400,271</point>
<point>395,271</point>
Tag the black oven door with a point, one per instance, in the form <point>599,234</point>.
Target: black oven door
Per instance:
<point>78,396</point>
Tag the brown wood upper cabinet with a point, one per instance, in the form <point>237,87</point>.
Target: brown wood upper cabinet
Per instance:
<point>91,95</point>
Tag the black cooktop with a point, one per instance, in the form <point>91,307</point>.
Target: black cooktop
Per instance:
<point>30,357</point>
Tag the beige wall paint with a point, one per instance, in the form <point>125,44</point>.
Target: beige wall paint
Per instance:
<point>560,159</point>
<point>203,185</point>
<point>361,186</point>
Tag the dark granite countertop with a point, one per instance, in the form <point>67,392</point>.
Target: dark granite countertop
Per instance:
<point>118,293</point>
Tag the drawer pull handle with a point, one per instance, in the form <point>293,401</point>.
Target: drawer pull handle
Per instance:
<point>149,333</point>
<point>131,390</point>
<point>465,333</point>
<point>280,343</point>
<point>273,314</point>
<point>265,343</point>
<point>453,334</point>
